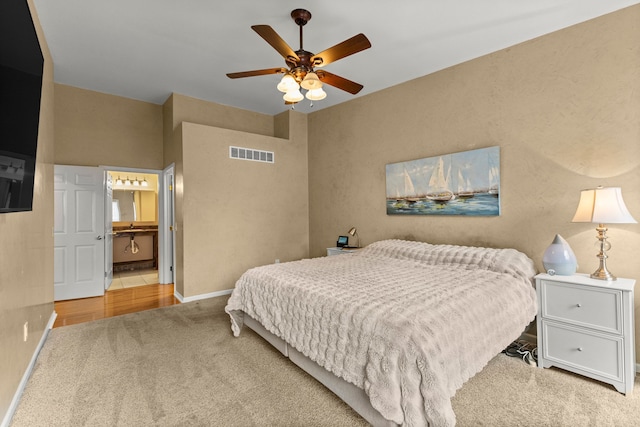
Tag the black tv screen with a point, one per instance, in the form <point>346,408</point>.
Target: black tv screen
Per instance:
<point>21,65</point>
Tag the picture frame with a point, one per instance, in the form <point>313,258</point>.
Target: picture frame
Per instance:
<point>464,183</point>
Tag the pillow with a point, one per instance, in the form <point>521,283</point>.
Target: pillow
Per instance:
<point>508,261</point>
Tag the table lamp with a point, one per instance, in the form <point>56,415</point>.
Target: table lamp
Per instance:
<point>603,205</point>
<point>354,233</point>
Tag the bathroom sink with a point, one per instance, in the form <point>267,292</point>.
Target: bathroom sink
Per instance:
<point>134,230</point>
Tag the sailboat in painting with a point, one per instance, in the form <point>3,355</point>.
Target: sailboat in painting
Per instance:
<point>464,187</point>
<point>438,185</point>
<point>494,181</point>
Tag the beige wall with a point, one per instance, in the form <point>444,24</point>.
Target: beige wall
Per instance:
<point>564,110</point>
<point>94,129</point>
<point>240,214</point>
<point>26,262</point>
<point>215,197</point>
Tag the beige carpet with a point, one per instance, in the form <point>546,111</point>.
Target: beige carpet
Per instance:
<point>180,366</point>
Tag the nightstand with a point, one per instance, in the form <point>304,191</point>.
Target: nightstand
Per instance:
<point>341,251</point>
<point>586,326</point>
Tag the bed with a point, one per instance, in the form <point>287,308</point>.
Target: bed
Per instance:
<point>395,328</point>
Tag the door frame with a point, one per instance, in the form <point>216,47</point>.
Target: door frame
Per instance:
<point>166,241</point>
<point>161,209</point>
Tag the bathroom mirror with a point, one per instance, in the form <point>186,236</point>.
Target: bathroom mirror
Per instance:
<point>134,205</point>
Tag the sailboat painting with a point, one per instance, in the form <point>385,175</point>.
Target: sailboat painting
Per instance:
<point>465,183</point>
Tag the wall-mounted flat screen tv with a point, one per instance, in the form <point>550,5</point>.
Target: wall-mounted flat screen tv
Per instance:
<point>21,64</point>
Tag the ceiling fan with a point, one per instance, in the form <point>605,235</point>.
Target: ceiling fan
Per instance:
<point>302,64</point>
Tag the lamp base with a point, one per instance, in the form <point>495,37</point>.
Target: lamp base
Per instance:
<point>603,274</point>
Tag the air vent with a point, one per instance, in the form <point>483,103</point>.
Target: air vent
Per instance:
<point>251,154</point>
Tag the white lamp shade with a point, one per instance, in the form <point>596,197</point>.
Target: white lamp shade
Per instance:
<point>603,206</point>
<point>293,96</point>
<point>311,81</point>
<point>288,83</point>
<point>316,94</point>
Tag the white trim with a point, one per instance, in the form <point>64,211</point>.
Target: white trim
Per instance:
<point>201,296</point>
<point>27,374</point>
<point>166,239</point>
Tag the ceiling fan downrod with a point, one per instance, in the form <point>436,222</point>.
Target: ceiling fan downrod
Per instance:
<point>301,17</point>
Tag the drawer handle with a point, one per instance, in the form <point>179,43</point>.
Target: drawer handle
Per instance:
<point>578,305</point>
<point>579,348</point>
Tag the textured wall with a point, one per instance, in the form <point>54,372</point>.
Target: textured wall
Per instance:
<point>95,129</point>
<point>239,214</point>
<point>26,258</point>
<point>564,110</point>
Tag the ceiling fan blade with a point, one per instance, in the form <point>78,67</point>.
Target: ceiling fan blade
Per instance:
<point>256,73</point>
<point>348,47</point>
<point>271,37</point>
<point>339,82</point>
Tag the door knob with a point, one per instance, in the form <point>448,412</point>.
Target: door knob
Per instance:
<point>99,238</point>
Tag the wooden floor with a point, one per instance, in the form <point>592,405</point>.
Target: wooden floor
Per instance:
<point>114,303</point>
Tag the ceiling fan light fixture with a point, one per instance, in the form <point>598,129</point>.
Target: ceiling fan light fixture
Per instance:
<point>288,83</point>
<point>300,63</point>
<point>311,81</point>
<point>293,96</point>
<point>316,94</point>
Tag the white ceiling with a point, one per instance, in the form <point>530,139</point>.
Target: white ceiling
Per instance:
<point>147,49</point>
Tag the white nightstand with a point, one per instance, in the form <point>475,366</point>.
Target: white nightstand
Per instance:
<point>341,251</point>
<point>586,326</point>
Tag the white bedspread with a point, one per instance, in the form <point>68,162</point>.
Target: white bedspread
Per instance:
<point>408,322</point>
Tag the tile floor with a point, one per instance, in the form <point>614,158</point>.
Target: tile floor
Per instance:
<point>131,279</point>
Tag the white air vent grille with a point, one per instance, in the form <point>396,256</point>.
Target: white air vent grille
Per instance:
<point>251,154</point>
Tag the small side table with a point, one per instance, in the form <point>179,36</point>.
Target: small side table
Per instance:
<point>341,251</point>
<point>586,326</point>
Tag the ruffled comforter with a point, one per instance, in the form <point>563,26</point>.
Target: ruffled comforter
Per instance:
<point>408,322</point>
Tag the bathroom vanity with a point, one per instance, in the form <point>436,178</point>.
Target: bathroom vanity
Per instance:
<point>135,247</point>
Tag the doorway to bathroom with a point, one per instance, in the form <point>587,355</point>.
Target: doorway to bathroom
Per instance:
<point>85,231</point>
<point>136,218</point>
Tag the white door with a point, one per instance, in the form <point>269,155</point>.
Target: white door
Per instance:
<point>78,232</point>
<point>108,230</point>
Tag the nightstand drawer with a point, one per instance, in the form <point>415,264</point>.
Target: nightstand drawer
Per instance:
<point>597,308</point>
<point>590,352</point>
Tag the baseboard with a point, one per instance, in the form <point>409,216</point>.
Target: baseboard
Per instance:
<point>27,374</point>
<point>201,296</point>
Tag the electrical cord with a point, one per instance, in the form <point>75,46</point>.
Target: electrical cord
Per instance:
<point>523,349</point>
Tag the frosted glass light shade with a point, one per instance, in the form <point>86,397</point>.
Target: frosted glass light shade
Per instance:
<point>293,96</point>
<point>311,81</point>
<point>559,259</point>
<point>288,83</point>
<point>316,94</point>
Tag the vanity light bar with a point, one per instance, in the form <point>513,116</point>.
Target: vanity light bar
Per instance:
<point>241,153</point>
